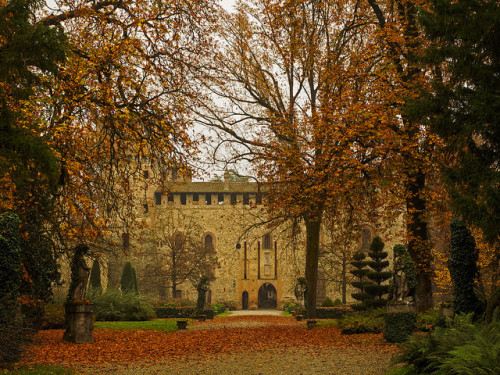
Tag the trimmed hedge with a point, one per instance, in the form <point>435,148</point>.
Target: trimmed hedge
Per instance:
<point>175,312</point>
<point>399,326</point>
<point>332,312</point>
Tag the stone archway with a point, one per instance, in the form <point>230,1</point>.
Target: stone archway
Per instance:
<point>268,298</point>
<point>244,300</point>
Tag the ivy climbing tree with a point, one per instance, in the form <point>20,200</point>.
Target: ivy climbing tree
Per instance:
<point>463,269</point>
<point>378,274</point>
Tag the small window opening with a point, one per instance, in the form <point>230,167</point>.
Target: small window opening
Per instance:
<point>233,198</point>
<point>220,198</point>
<point>196,197</point>
<point>208,199</point>
<point>246,199</point>
<point>158,199</point>
<point>183,199</point>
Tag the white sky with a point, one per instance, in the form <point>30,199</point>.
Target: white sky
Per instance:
<point>228,4</point>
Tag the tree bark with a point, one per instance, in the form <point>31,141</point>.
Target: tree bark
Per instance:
<point>418,244</point>
<point>312,254</point>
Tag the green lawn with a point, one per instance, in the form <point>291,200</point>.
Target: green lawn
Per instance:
<point>41,370</point>
<point>155,325</point>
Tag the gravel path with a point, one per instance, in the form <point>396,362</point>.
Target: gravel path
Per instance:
<point>293,361</point>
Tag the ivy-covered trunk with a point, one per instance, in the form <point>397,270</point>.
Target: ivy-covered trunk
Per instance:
<point>418,243</point>
<point>312,253</point>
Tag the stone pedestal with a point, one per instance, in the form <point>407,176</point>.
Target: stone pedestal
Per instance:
<point>79,323</point>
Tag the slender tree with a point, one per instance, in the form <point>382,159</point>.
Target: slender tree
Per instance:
<point>128,280</point>
<point>95,276</point>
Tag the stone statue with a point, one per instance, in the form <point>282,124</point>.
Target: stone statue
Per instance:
<point>404,275</point>
<point>79,274</point>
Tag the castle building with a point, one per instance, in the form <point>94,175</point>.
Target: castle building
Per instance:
<point>255,266</point>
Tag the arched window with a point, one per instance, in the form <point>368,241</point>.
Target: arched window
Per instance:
<point>209,243</point>
<point>267,242</point>
<point>178,242</point>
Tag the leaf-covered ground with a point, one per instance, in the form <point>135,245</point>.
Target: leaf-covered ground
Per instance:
<point>228,337</point>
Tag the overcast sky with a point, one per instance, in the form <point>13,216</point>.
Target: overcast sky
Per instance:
<point>228,4</point>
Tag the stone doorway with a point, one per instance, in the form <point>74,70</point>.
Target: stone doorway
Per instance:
<point>244,300</point>
<point>268,296</point>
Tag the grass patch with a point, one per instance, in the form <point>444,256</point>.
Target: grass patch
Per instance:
<point>41,370</point>
<point>332,322</point>
<point>223,314</point>
<point>154,325</point>
<point>286,313</point>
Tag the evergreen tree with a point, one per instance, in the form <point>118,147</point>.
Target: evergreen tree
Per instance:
<point>136,289</point>
<point>360,271</point>
<point>128,281</point>
<point>377,274</point>
<point>463,269</point>
<point>464,103</point>
<point>95,276</point>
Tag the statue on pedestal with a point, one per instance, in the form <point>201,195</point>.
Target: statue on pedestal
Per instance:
<point>79,274</point>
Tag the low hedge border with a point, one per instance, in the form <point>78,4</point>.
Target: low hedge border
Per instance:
<point>332,312</point>
<point>181,312</point>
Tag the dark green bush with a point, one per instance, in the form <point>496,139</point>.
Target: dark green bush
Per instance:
<point>377,274</point>
<point>176,312</point>
<point>427,320</point>
<point>360,271</point>
<point>365,322</point>
<point>95,276</point>
<point>113,305</point>
<point>327,302</point>
<point>337,303</point>
<point>332,312</point>
<point>463,269</point>
<point>128,281</point>
<point>399,326</point>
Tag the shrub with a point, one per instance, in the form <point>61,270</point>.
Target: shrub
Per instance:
<point>399,326</point>
<point>95,276</point>
<point>53,317</point>
<point>113,305</point>
<point>365,322</point>
<point>463,269</point>
<point>327,302</point>
<point>459,348</point>
<point>360,271</point>
<point>377,274</point>
<point>337,303</point>
<point>332,312</point>
<point>176,312</point>
<point>427,320</point>
<point>218,307</point>
<point>289,307</point>
<point>128,281</point>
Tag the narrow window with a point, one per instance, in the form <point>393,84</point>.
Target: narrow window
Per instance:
<point>158,199</point>
<point>267,242</point>
<point>170,197</point>
<point>209,243</point>
<point>233,198</point>
<point>183,199</point>
<point>246,199</point>
<point>208,199</point>
<point>196,197</point>
<point>146,208</point>
<point>220,198</point>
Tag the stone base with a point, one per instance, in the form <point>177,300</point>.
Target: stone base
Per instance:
<point>400,306</point>
<point>79,323</point>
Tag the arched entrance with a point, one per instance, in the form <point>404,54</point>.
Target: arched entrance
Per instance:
<point>244,300</point>
<point>268,296</point>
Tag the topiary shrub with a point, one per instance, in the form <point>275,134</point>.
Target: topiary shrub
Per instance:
<point>327,302</point>
<point>378,274</point>
<point>95,277</point>
<point>399,326</point>
<point>128,281</point>
<point>360,271</point>
<point>462,264</point>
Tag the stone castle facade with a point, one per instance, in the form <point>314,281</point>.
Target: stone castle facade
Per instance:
<point>256,266</point>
